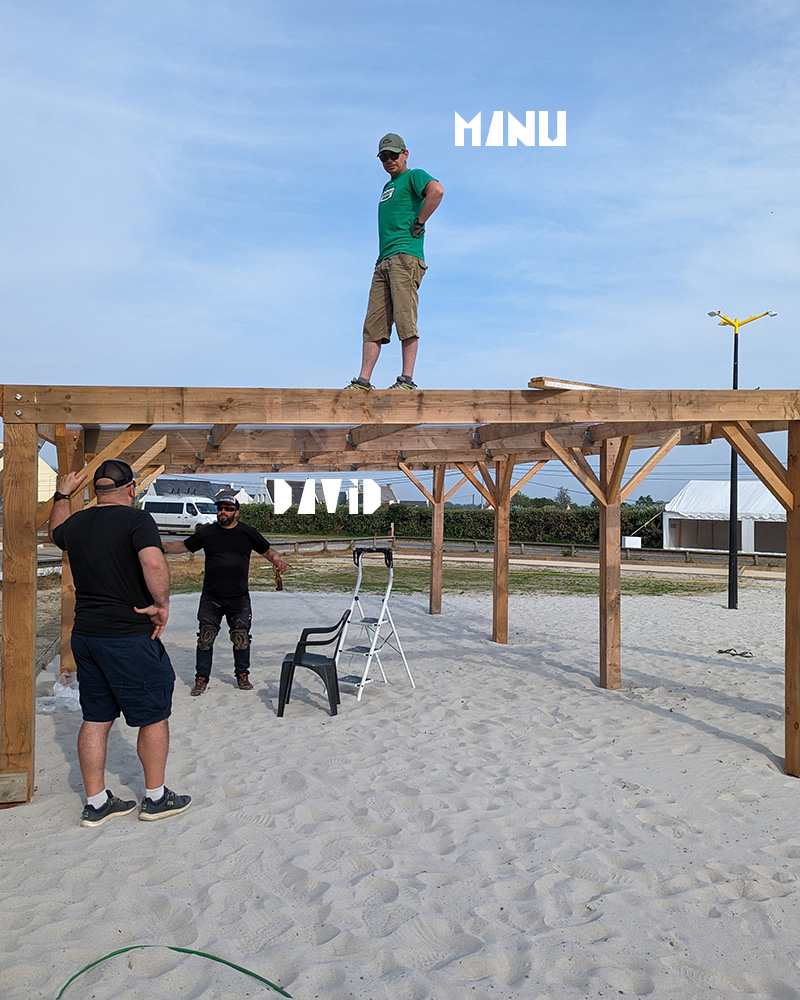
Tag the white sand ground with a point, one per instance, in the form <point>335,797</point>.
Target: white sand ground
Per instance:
<point>508,829</point>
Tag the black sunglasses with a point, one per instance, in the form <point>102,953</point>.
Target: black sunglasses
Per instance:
<point>386,155</point>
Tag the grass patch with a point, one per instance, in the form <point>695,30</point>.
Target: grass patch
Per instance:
<point>333,577</point>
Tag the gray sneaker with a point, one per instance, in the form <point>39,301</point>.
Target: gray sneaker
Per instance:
<point>359,383</point>
<point>113,807</point>
<point>169,804</point>
<point>403,382</point>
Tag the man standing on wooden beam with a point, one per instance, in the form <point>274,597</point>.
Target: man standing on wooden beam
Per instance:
<point>121,609</point>
<point>409,198</point>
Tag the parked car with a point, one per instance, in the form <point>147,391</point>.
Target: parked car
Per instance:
<point>180,515</point>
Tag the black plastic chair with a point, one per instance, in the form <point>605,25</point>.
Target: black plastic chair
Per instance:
<point>323,666</point>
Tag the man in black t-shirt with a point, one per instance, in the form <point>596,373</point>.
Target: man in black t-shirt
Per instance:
<point>121,609</point>
<point>227,545</point>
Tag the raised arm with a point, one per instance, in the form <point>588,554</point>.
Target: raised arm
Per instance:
<point>156,576</point>
<point>60,509</point>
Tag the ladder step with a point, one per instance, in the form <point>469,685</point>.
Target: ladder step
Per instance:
<point>365,621</point>
<point>353,680</point>
<point>363,650</point>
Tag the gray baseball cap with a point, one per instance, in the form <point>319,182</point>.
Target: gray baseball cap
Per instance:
<point>391,143</point>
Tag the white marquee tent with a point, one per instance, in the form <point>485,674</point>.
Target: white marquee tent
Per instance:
<point>697,518</point>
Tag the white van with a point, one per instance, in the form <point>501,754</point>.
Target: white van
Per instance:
<point>180,515</point>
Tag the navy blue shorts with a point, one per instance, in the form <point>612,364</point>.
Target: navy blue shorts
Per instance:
<point>131,675</point>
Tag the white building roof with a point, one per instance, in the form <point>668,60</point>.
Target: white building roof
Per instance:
<point>709,500</point>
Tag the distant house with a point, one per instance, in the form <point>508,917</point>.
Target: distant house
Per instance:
<point>230,492</point>
<point>193,487</point>
<point>164,487</point>
<point>46,478</point>
<point>698,518</point>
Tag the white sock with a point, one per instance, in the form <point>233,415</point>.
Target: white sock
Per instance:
<point>97,801</point>
<point>154,794</point>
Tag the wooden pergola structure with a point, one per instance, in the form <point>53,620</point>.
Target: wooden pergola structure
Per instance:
<point>484,434</point>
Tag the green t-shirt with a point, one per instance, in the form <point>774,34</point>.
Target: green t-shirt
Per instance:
<point>401,200</point>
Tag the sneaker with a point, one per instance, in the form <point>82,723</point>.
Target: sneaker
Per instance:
<point>200,684</point>
<point>243,680</point>
<point>113,807</point>
<point>359,383</point>
<point>404,382</point>
<point>170,804</point>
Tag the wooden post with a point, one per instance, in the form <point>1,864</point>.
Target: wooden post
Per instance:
<point>437,540</point>
<point>504,470</point>
<point>69,448</point>
<point>17,694</point>
<point>792,634</point>
<point>610,545</point>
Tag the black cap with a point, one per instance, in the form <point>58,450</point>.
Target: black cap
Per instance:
<point>119,472</point>
<point>229,500</point>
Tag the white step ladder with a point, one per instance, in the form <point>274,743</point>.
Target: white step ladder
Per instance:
<point>378,633</point>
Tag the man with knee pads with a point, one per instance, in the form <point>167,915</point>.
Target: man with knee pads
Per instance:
<point>227,545</point>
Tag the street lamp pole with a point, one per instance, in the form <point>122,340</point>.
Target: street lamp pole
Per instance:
<point>733,515</point>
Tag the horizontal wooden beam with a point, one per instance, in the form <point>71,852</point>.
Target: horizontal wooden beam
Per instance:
<point>366,433</point>
<point>209,406</point>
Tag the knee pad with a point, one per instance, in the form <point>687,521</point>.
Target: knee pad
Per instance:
<point>206,636</point>
<point>240,638</point>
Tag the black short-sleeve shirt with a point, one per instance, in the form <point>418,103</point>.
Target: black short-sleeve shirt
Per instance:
<point>103,545</point>
<point>227,553</point>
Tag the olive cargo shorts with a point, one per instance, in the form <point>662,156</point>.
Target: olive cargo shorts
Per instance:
<point>393,298</point>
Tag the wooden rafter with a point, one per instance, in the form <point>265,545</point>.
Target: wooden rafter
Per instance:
<point>149,475</point>
<point>218,433</point>
<point>647,467</point>
<point>749,446</point>
<point>454,489</point>
<point>468,473</point>
<point>116,449</point>
<point>578,466</point>
<point>527,477</point>
<point>146,458</point>
<point>621,460</point>
<point>488,481</point>
<point>423,490</point>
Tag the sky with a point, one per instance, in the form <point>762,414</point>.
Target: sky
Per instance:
<point>189,194</point>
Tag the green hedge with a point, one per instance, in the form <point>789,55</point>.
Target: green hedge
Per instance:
<point>579,526</point>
